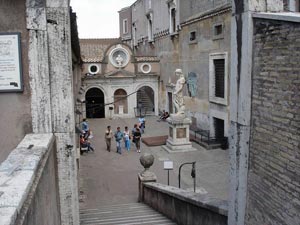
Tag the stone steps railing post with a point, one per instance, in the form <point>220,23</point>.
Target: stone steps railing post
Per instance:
<point>145,176</point>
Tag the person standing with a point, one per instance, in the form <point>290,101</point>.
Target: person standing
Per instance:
<point>126,135</point>
<point>85,128</point>
<point>108,137</point>
<point>118,137</point>
<point>85,125</point>
<point>133,131</point>
<point>142,123</point>
<point>137,137</point>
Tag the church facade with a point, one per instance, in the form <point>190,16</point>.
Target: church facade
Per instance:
<point>116,83</point>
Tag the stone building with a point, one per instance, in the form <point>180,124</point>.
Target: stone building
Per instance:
<point>264,96</point>
<point>116,82</point>
<point>193,36</point>
<point>39,43</point>
<point>257,43</point>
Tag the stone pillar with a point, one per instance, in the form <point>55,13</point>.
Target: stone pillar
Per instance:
<point>147,161</point>
<point>240,100</point>
<point>50,69</point>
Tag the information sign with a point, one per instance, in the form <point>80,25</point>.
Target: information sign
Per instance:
<point>10,63</point>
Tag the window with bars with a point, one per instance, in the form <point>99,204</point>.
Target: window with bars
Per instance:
<point>125,26</point>
<point>219,65</point>
<point>218,78</point>
<point>173,20</point>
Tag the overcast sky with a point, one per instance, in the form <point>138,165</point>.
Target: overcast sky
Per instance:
<point>98,18</point>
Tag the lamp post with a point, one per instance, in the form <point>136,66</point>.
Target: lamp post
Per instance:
<point>193,173</point>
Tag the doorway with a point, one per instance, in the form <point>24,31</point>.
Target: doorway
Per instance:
<point>219,129</point>
<point>145,100</point>
<point>95,106</point>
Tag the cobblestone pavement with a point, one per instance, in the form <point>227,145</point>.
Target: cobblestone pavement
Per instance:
<point>109,178</point>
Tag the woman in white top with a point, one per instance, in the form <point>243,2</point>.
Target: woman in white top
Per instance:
<point>126,135</point>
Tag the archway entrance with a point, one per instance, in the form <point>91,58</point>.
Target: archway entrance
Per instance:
<point>145,100</point>
<point>94,98</point>
<point>120,99</point>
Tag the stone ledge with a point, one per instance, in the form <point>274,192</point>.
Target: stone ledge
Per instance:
<point>284,16</point>
<point>204,201</point>
<point>18,172</point>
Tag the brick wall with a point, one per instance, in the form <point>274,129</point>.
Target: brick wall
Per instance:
<point>274,167</point>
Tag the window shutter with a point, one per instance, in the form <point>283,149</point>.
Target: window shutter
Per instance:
<point>219,77</point>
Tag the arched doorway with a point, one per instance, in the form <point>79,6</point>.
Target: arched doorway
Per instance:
<point>145,99</point>
<point>120,102</point>
<point>94,100</point>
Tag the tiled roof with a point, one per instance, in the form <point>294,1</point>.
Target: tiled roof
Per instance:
<point>146,59</point>
<point>92,50</point>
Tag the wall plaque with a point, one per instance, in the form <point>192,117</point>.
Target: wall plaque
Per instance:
<point>10,63</point>
<point>181,133</point>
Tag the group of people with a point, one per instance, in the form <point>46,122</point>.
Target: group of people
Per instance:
<point>126,136</point>
<point>163,116</point>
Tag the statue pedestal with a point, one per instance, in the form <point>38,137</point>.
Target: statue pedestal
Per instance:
<point>179,136</point>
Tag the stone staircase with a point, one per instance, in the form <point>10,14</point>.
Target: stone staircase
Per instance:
<point>143,96</point>
<point>129,214</point>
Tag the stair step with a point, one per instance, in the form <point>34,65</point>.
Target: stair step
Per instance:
<point>129,214</point>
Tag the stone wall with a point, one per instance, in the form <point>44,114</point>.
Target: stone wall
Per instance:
<point>28,183</point>
<point>184,207</point>
<point>15,120</point>
<point>273,195</point>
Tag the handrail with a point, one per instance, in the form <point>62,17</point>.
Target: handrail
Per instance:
<point>193,173</point>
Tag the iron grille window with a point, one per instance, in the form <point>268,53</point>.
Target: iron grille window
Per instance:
<point>219,65</point>
<point>173,18</point>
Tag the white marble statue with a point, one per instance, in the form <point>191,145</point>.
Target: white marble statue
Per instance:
<point>119,60</point>
<point>178,95</point>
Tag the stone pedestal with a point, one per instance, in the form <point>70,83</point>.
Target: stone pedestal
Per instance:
<point>147,161</point>
<point>179,136</point>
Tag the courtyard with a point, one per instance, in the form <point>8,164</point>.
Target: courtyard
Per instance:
<point>107,178</point>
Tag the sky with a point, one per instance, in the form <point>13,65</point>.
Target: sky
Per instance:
<point>98,18</point>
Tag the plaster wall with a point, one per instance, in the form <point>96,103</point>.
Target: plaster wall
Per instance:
<point>180,52</point>
<point>160,22</point>
<point>15,120</point>
<point>191,8</point>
